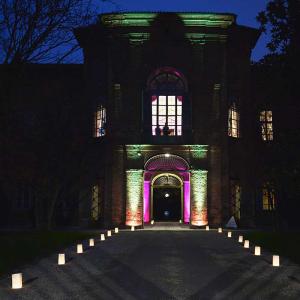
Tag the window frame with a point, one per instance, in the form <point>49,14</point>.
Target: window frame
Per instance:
<point>266,190</point>
<point>100,121</point>
<point>177,116</point>
<point>266,125</point>
<point>234,122</point>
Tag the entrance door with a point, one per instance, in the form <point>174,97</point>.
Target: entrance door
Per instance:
<point>166,204</point>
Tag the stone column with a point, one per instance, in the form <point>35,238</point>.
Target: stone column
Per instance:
<point>198,197</point>
<point>117,188</point>
<point>134,197</point>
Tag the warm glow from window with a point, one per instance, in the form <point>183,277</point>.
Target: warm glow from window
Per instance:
<point>236,199</point>
<point>268,197</point>
<point>100,121</point>
<point>95,208</point>
<point>167,115</point>
<point>233,122</point>
<point>266,122</point>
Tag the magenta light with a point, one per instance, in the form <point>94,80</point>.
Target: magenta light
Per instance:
<point>146,201</point>
<point>186,206</point>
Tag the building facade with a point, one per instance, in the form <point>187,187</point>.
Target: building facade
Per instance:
<point>171,118</point>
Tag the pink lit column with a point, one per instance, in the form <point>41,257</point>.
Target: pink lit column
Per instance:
<point>147,187</point>
<point>186,193</point>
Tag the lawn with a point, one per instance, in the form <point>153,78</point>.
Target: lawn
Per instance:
<point>283,243</point>
<point>17,248</point>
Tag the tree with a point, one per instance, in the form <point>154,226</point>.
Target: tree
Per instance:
<point>41,30</point>
<point>281,17</point>
<point>278,71</point>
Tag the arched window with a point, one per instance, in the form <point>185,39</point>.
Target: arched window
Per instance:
<point>167,88</point>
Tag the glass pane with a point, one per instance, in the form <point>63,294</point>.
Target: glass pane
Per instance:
<point>154,110</point>
<point>262,116</point>
<point>171,121</point>
<point>269,115</point>
<point>179,100</point>
<point>154,120</point>
<point>171,100</point>
<point>162,121</point>
<point>179,130</point>
<point>153,130</point>
<point>162,111</point>
<point>179,110</point>
<point>179,120</point>
<point>172,130</point>
<point>171,110</point>
<point>162,100</point>
<point>154,100</point>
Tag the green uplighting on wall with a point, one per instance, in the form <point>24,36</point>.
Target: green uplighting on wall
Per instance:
<point>199,197</point>
<point>134,194</point>
<point>189,19</point>
<point>135,151</point>
<point>198,151</point>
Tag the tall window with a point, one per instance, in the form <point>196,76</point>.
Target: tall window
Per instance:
<point>167,88</point>
<point>166,115</point>
<point>233,122</point>
<point>235,190</point>
<point>100,121</point>
<point>268,197</point>
<point>266,124</point>
<point>95,205</point>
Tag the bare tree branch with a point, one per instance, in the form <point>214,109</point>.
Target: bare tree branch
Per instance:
<point>30,30</point>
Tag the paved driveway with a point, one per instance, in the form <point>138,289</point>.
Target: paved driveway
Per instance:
<point>160,265</point>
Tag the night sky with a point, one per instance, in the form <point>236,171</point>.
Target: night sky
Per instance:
<point>246,10</point>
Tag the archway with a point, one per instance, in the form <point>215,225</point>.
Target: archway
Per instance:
<point>166,200</point>
<point>167,174</point>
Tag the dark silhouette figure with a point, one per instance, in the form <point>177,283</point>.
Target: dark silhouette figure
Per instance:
<point>157,131</point>
<point>166,129</point>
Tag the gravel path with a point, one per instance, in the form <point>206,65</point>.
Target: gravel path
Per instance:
<point>188,264</point>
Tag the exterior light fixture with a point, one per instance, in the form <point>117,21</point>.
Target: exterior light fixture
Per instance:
<point>180,221</point>
<point>220,230</point>
<point>241,238</point>
<point>109,233</point>
<point>91,242</point>
<point>116,230</point>
<point>79,248</point>
<point>16,281</point>
<point>61,259</point>
<point>152,222</point>
<point>102,237</point>
<point>167,155</point>
<point>246,244</point>
<point>167,195</point>
<point>276,261</point>
<point>207,228</point>
<point>257,251</point>
<point>132,228</point>
<point>229,234</point>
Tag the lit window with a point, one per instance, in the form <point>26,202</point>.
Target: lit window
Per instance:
<point>233,122</point>
<point>95,207</point>
<point>268,197</point>
<point>266,123</point>
<point>100,122</point>
<point>167,89</point>
<point>236,199</point>
<point>167,115</point>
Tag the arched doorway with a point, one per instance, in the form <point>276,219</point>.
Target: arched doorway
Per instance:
<point>166,174</point>
<point>167,198</point>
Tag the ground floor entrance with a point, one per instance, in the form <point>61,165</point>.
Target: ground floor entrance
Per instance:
<point>166,203</point>
<point>166,189</point>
